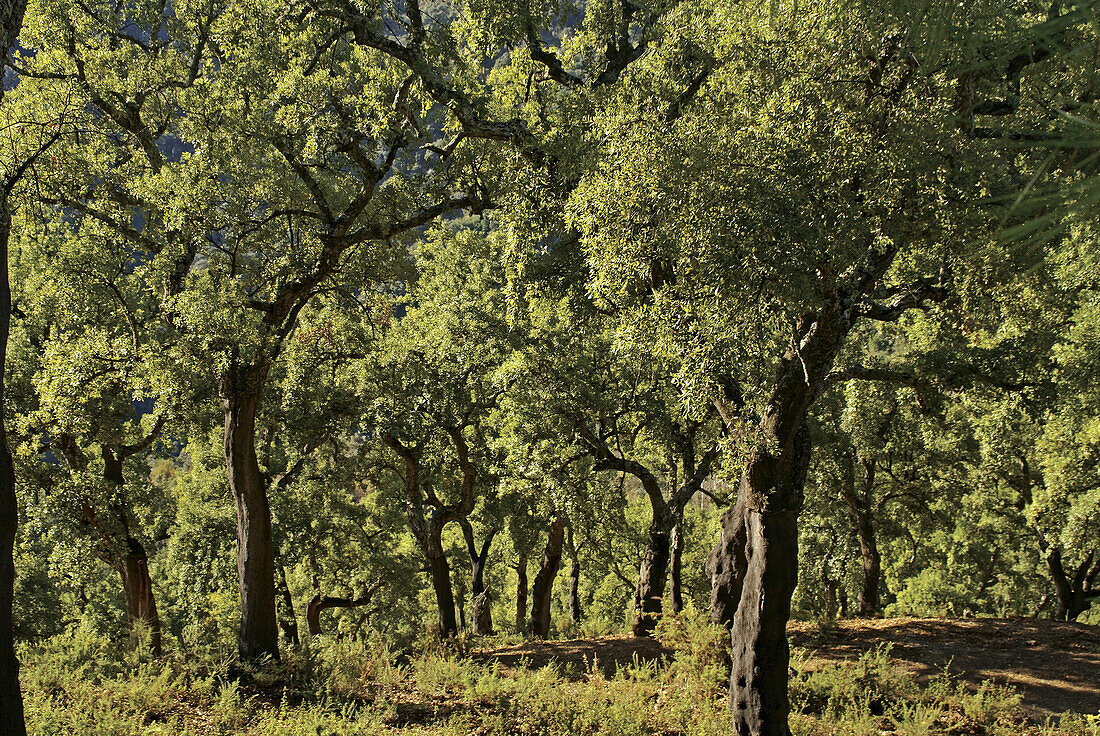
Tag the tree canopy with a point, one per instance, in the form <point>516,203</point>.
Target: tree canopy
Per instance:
<point>380,313</point>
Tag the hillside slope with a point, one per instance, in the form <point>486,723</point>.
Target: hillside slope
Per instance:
<point>1055,666</point>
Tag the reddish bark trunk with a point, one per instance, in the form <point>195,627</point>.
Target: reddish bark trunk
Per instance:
<point>141,605</point>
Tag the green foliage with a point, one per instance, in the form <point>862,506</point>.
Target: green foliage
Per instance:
<point>504,262</point>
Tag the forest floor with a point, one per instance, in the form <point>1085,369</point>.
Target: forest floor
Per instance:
<point>852,678</point>
<point>1054,666</point>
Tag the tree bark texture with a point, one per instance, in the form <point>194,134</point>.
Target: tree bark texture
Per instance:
<point>649,592</point>
<point>761,655</point>
<point>259,632</point>
<point>543,588</point>
<point>763,571</point>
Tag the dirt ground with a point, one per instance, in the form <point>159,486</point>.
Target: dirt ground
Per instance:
<point>1055,666</point>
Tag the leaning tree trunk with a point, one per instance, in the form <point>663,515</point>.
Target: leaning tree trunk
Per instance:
<point>483,613</point>
<point>141,605</point>
<point>11,700</point>
<point>259,632</point>
<point>676,564</point>
<point>521,594</point>
<point>542,590</point>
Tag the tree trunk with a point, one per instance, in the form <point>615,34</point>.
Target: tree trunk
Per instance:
<point>575,614</point>
<point>542,590</point>
<point>1063,592</point>
<point>650,589</point>
<point>862,512</point>
<point>460,609</point>
<point>675,571</point>
<point>754,570</point>
<point>831,602</point>
<point>141,605</point>
<point>483,610</point>
<point>428,531</point>
<point>289,621</point>
<point>483,614</point>
<point>761,655</point>
<point>521,594</point>
<point>259,633</point>
<point>320,603</point>
<point>726,566</point>
<point>140,602</point>
<point>440,573</point>
<point>11,700</point>
<point>1072,596</point>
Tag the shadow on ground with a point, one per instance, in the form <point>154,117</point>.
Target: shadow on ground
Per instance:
<point>1055,666</point>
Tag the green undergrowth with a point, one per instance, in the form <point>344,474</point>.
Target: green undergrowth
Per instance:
<point>83,685</point>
